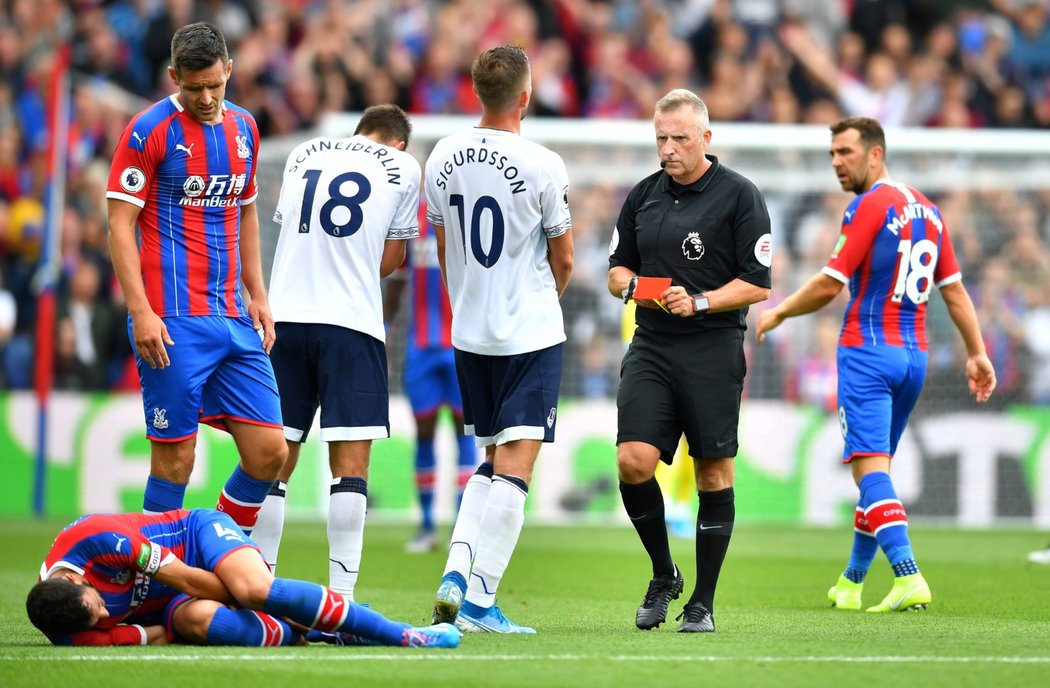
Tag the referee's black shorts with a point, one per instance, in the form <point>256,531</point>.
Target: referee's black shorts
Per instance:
<point>686,384</point>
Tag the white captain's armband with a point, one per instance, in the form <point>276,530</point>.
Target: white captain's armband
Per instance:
<point>149,559</point>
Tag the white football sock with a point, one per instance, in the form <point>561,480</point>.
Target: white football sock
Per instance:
<point>463,544</point>
<point>270,525</point>
<point>500,528</point>
<point>346,533</point>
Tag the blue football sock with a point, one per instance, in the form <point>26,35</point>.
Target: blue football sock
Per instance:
<point>865,547</point>
<point>885,513</point>
<point>242,627</point>
<point>309,604</point>
<point>371,624</point>
<point>426,463</point>
<point>245,488</point>
<point>242,497</point>
<point>905,567</point>
<point>162,495</point>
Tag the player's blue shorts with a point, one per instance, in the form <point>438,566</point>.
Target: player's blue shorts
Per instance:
<point>342,370</point>
<point>430,380</point>
<point>169,615</point>
<point>507,398</point>
<point>218,370</point>
<point>878,388</point>
<point>210,537</point>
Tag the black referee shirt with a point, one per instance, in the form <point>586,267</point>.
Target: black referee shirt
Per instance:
<point>702,235</point>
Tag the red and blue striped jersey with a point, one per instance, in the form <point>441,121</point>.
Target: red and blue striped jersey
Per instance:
<point>430,318</point>
<point>117,554</point>
<point>893,249</point>
<point>189,179</point>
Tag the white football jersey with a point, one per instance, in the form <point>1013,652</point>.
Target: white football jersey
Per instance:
<point>499,197</point>
<point>341,199</point>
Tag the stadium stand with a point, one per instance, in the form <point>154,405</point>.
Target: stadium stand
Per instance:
<point>964,65</point>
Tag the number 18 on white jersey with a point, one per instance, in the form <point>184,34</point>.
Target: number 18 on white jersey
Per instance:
<point>341,200</point>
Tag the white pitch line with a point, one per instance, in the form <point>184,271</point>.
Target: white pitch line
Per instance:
<point>449,657</point>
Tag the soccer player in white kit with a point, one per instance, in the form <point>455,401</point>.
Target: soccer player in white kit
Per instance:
<point>346,209</point>
<point>500,209</point>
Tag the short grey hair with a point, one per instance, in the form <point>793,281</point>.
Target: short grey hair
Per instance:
<point>681,97</point>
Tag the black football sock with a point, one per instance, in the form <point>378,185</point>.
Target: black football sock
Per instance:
<point>645,505</point>
<point>714,528</point>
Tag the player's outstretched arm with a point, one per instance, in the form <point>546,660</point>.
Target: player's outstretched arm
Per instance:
<point>818,292</point>
<point>980,374</point>
<point>193,581</point>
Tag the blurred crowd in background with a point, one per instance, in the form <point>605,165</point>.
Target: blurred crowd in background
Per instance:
<point>964,64</point>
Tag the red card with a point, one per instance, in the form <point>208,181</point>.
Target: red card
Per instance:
<point>651,287</point>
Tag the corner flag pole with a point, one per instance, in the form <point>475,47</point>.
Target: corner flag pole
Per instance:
<point>47,273</point>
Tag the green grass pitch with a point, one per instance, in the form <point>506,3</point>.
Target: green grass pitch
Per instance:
<point>989,624</point>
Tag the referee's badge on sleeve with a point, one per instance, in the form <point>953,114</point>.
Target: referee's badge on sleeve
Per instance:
<point>764,249</point>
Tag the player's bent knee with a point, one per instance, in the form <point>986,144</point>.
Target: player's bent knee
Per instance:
<point>268,459</point>
<point>252,593</point>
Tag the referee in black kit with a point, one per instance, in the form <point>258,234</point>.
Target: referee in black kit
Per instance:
<point>707,229</point>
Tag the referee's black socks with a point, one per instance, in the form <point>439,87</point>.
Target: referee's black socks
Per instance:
<point>714,528</point>
<point>644,503</point>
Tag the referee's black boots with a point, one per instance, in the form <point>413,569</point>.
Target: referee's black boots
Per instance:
<point>696,619</point>
<point>662,589</point>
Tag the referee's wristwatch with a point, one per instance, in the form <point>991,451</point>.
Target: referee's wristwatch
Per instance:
<point>629,291</point>
<point>700,304</point>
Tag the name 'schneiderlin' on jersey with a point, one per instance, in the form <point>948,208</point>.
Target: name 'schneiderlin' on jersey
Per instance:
<point>380,152</point>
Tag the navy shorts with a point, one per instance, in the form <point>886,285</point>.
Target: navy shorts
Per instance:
<point>689,385</point>
<point>430,380</point>
<point>508,398</point>
<point>878,388</point>
<point>218,370</point>
<point>341,370</point>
